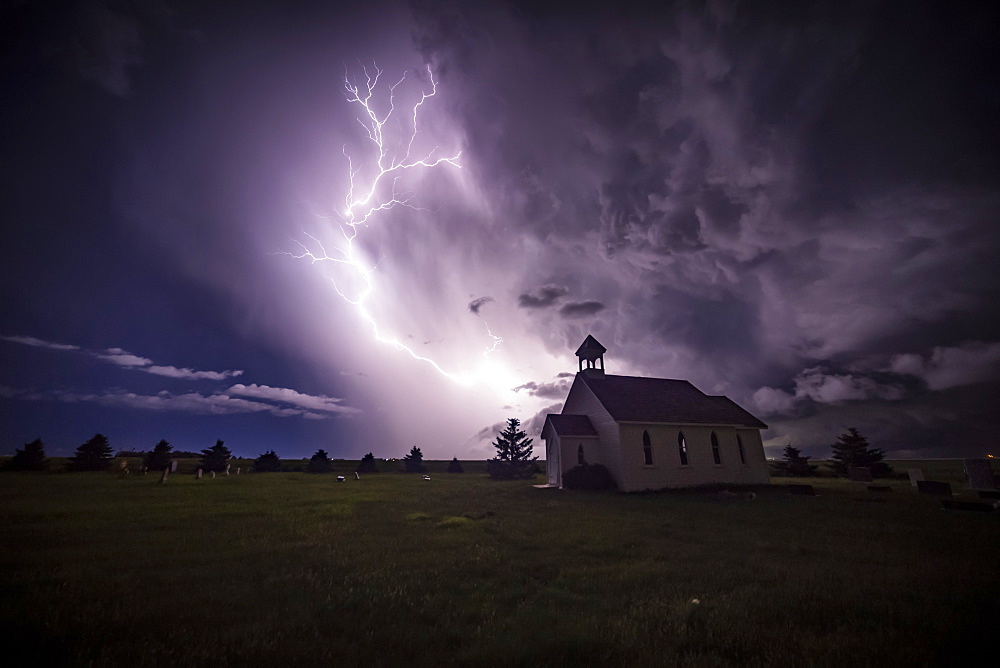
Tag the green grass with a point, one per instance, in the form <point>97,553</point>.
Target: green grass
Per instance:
<point>292,568</point>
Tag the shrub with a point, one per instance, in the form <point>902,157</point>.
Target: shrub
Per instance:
<point>215,458</point>
<point>589,477</point>
<point>267,462</point>
<point>320,463</point>
<point>94,455</point>
<point>455,466</point>
<point>414,461</point>
<point>367,464</point>
<point>159,458</point>
<point>31,458</point>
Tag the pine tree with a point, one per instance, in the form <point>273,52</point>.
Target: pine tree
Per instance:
<point>367,464</point>
<point>159,458</point>
<point>94,455</point>
<point>455,466</point>
<point>414,461</point>
<point>852,449</point>
<point>320,462</point>
<point>31,458</point>
<point>794,464</point>
<point>267,462</point>
<point>513,458</point>
<point>215,457</point>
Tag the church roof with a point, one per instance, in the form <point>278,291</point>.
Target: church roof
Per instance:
<point>634,399</point>
<point>570,425</point>
<point>590,346</point>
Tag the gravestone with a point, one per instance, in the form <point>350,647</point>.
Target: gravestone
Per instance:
<point>163,478</point>
<point>980,474</point>
<point>356,476</point>
<point>916,475</point>
<point>227,468</point>
<point>340,478</point>
<point>197,476</point>
<point>238,469</point>
<point>859,474</point>
<point>173,466</point>
<point>801,490</point>
<point>213,475</point>
<point>933,488</point>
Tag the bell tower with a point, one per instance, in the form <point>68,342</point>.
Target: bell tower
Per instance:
<point>592,351</point>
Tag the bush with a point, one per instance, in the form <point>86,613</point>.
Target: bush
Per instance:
<point>267,462</point>
<point>455,466</point>
<point>94,455</point>
<point>367,464</point>
<point>589,477</point>
<point>31,458</point>
<point>320,463</point>
<point>414,462</point>
<point>215,458</point>
<point>159,458</point>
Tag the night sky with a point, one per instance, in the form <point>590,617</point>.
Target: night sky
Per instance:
<point>793,204</point>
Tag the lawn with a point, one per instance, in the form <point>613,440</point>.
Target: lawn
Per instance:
<point>298,569</point>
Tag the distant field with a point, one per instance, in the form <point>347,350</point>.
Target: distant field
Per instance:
<point>293,568</point>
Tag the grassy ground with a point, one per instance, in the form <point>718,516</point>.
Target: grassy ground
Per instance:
<point>297,569</point>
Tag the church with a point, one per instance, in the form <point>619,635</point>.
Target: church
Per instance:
<point>651,433</point>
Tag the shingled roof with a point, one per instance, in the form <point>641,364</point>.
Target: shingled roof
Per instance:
<point>634,399</point>
<point>570,425</point>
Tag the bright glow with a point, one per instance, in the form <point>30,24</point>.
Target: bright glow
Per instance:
<point>365,198</point>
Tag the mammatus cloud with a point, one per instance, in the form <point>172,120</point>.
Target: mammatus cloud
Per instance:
<point>38,343</point>
<point>478,303</point>
<point>542,297</point>
<point>580,309</point>
<point>319,402</point>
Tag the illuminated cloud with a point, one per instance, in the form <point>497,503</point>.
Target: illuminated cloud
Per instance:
<point>945,367</point>
<point>285,395</point>
<point>38,343</point>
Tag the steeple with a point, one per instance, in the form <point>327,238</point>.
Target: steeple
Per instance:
<point>592,351</point>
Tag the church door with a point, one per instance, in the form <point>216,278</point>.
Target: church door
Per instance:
<point>552,461</point>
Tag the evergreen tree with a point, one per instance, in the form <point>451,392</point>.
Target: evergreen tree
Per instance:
<point>513,458</point>
<point>215,457</point>
<point>455,466</point>
<point>851,449</point>
<point>267,462</point>
<point>31,458</point>
<point>414,462</point>
<point>319,463</point>
<point>94,455</point>
<point>367,464</point>
<point>159,458</point>
<point>794,464</point>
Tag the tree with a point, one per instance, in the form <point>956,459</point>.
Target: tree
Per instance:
<point>215,457</point>
<point>794,464</point>
<point>513,458</point>
<point>414,462</point>
<point>367,464</point>
<point>319,463</point>
<point>267,462</point>
<point>455,466</point>
<point>94,455</point>
<point>31,458</point>
<point>851,449</point>
<point>159,458</point>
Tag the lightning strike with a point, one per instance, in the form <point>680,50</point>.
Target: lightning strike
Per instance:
<point>367,197</point>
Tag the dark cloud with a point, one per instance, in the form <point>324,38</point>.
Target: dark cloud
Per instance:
<point>542,297</point>
<point>554,390</point>
<point>580,309</point>
<point>478,303</point>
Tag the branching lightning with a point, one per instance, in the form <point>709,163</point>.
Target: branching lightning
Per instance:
<point>367,197</point>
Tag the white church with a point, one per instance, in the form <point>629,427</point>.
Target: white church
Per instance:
<point>651,433</point>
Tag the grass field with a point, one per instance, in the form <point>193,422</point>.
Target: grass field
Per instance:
<point>298,569</point>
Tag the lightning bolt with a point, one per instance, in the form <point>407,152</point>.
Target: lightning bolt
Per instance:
<point>367,197</point>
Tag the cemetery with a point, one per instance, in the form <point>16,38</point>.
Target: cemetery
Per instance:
<point>407,569</point>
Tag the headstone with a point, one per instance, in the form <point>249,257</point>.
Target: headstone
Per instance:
<point>173,466</point>
<point>974,506</point>
<point>980,474</point>
<point>213,475</point>
<point>916,475</point>
<point>801,490</point>
<point>340,478</point>
<point>197,476</point>
<point>356,476</point>
<point>427,477</point>
<point>859,474</point>
<point>227,468</point>
<point>163,478</point>
<point>934,487</point>
<point>238,469</point>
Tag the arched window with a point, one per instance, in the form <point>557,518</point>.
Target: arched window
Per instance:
<point>716,456</point>
<point>579,456</point>
<point>682,448</point>
<point>743,453</point>
<point>647,448</point>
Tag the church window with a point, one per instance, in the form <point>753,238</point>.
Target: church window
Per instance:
<point>743,453</point>
<point>682,448</point>
<point>579,456</point>
<point>647,448</point>
<point>716,456</point>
